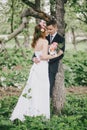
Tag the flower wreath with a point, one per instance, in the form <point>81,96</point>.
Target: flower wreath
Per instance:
<point>42,25</point>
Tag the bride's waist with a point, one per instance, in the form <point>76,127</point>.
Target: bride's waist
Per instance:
<point>42,62</point>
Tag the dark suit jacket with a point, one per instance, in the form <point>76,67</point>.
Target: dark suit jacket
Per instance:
<point>53,63</point>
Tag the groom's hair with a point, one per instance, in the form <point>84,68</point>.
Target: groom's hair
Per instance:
<point>52,22</point>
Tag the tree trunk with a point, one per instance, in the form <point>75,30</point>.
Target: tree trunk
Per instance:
<point>60,16</point>
<point>73,38</point>
<point>37,4</point>
<point>12,16</point>
<point>18,44</point>
<point>59,89</point>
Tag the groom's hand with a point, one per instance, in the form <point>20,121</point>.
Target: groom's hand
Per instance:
<point>36,60</point>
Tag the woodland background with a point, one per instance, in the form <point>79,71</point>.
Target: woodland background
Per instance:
<point>15,63</point>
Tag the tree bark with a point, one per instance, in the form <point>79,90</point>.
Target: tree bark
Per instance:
<point>12,16</point>
<point>35,13</point>
<point>59,88</point>
<point>37,6</point>
<point>60,16</point>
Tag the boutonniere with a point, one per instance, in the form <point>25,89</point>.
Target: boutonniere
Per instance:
<point>54,48</point>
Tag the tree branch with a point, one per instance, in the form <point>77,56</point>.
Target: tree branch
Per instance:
<point>27,2</point>
<point>16,32</point>
<point>27,12</point>
<point>85,21</point>
<point>37,14</point>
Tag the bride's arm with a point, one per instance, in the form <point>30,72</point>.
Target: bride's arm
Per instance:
<point>45,55</point>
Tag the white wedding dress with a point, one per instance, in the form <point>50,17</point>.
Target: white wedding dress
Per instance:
<point>35,99</point>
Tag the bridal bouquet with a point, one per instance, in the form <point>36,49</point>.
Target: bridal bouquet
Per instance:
<point>53,48</point>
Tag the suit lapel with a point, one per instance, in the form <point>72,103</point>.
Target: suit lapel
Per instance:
<point>54,39</point>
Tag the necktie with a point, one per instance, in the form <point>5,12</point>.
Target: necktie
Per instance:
<point>51,37</point>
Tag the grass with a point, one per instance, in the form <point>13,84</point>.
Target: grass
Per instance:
<point>73,116</point>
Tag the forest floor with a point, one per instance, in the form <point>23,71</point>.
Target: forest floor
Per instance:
<point>12,91</point>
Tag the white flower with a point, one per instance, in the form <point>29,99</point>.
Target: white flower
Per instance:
<point>42,30</point>
<point>2,79</point>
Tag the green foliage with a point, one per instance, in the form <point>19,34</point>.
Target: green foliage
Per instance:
<point>14,68</point>
<point>73,116</point>
<point>75,69</point>
<point>79,6</point>
<point>6,106</point>
<point>75,15</point>
<point>52,7</point>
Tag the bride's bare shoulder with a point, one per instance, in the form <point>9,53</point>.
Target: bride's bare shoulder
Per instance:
<point>45,41</point>
<point>41,42</point>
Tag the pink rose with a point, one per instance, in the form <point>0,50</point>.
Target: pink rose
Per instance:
<point>55,45</point>
<point>42,24</point>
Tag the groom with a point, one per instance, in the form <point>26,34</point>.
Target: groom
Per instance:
<point>53,63</point>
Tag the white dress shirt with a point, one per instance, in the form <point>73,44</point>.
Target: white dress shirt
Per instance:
<point>52,37</point>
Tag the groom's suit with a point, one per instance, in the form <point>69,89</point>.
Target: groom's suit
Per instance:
<point>53,63</point>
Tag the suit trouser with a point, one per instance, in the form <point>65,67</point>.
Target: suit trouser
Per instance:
<point>52,81</point>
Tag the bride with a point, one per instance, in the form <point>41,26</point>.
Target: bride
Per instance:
<point>35,99</point>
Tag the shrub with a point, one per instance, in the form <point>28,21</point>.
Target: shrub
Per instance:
<point>75,69</point>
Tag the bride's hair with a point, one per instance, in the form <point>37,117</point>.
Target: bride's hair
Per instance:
<point>39,32</point>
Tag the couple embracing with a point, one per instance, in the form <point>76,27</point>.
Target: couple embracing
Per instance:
<point>35,97</point>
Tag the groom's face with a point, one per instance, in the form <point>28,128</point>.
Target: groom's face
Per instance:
<point>51,29</point>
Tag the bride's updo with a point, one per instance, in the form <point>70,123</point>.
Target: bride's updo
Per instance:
<point>39,32</point>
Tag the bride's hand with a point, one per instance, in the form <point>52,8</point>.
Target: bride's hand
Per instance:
<point>41,57</point>
<point>36,60</point>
